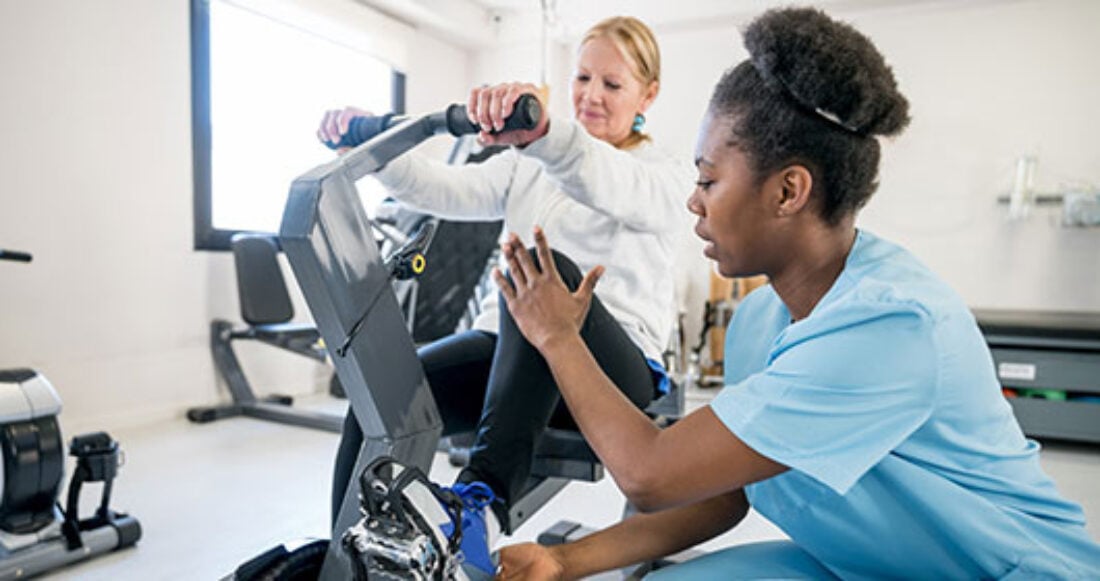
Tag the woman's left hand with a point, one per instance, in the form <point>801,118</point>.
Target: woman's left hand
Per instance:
<point>543,307</point>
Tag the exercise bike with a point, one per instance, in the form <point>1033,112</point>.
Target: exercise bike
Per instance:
<point>393,523</point>
<point>36,535</point>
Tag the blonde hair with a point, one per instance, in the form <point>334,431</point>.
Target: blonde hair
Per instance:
<point>638,46</point>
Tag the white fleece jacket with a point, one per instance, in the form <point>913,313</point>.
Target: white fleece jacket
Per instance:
<point>597,204</point>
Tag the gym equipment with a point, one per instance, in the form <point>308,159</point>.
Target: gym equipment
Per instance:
<point>445,298</point>
<point>428,304</point>
<point>329,243</point>
<point>461,255</point>
<point>414,527</point>
<point>35,536</point>
<point>14,255</point>
<point>266,308</point>
<point>328,240</point>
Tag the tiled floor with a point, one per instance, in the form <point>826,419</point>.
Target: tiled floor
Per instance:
<point>212,496</point>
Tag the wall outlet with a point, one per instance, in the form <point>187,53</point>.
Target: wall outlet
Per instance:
<point>1081,209</point>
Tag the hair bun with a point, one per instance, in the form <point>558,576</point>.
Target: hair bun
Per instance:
<point>827,66</point>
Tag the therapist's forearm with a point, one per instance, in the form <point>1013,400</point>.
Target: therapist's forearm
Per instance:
<point>621,435</point>
<point>647,537</point>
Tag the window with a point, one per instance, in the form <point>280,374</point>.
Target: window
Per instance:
<point>261,81</point>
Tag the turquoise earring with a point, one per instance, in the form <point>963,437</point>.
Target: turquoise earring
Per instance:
<point>639,122</point>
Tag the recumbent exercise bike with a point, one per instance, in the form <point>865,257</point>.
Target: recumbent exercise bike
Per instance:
<point>392,520</point>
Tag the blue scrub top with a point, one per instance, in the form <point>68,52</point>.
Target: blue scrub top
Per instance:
<point>905,459</point>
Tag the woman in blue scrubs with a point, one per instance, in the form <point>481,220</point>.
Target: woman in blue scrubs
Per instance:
<point>861,412</point>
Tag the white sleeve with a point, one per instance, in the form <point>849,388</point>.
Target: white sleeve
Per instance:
<point>641,191</point>
<point>470,192</point>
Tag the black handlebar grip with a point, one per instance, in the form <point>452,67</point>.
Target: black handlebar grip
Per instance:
<point>14,255</point>
<point>525,116</point>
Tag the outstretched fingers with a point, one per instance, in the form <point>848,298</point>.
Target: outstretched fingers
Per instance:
<point>546,258</point>
<point>588,283</point>
<point>511,256</point>
<point>526,274</point>
<point>523,257</point>
<point>504,285</point>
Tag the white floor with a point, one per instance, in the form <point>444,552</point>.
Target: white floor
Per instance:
<point>212,496</point>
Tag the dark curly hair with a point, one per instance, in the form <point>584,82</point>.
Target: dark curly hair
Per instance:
<point>814,92</point>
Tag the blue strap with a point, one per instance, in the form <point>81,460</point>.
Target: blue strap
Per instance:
<point>474,495</point>
<point>660,376</point>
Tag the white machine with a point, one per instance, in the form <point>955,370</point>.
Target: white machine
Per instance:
<point>35,534</point>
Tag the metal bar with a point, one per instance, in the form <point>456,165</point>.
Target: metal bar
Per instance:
<point>226,363</point>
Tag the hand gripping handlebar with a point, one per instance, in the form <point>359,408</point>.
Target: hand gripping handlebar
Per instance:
<point>525,116</point>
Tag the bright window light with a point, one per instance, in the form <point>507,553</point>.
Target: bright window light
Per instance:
<point>270,82</point>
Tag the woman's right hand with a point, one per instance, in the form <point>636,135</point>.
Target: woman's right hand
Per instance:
<point>488,107</point>
<point>335,124</point>
<point>529,561</point>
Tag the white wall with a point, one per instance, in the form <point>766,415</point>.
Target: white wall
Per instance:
<point>95,154</point>
<point>989,83</point>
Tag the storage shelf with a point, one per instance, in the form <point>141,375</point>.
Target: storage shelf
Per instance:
<point>1048,350</point>
<point>1066,420</point>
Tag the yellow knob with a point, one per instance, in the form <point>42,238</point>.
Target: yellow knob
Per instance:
<point>418,263</point>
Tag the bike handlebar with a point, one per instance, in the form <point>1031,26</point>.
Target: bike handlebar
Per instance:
<point>525,116</point>
<point>15,255</point>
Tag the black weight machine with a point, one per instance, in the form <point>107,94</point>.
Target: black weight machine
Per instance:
<point>37,534</point>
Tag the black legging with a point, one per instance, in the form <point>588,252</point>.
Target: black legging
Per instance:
<point>501,387</point>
